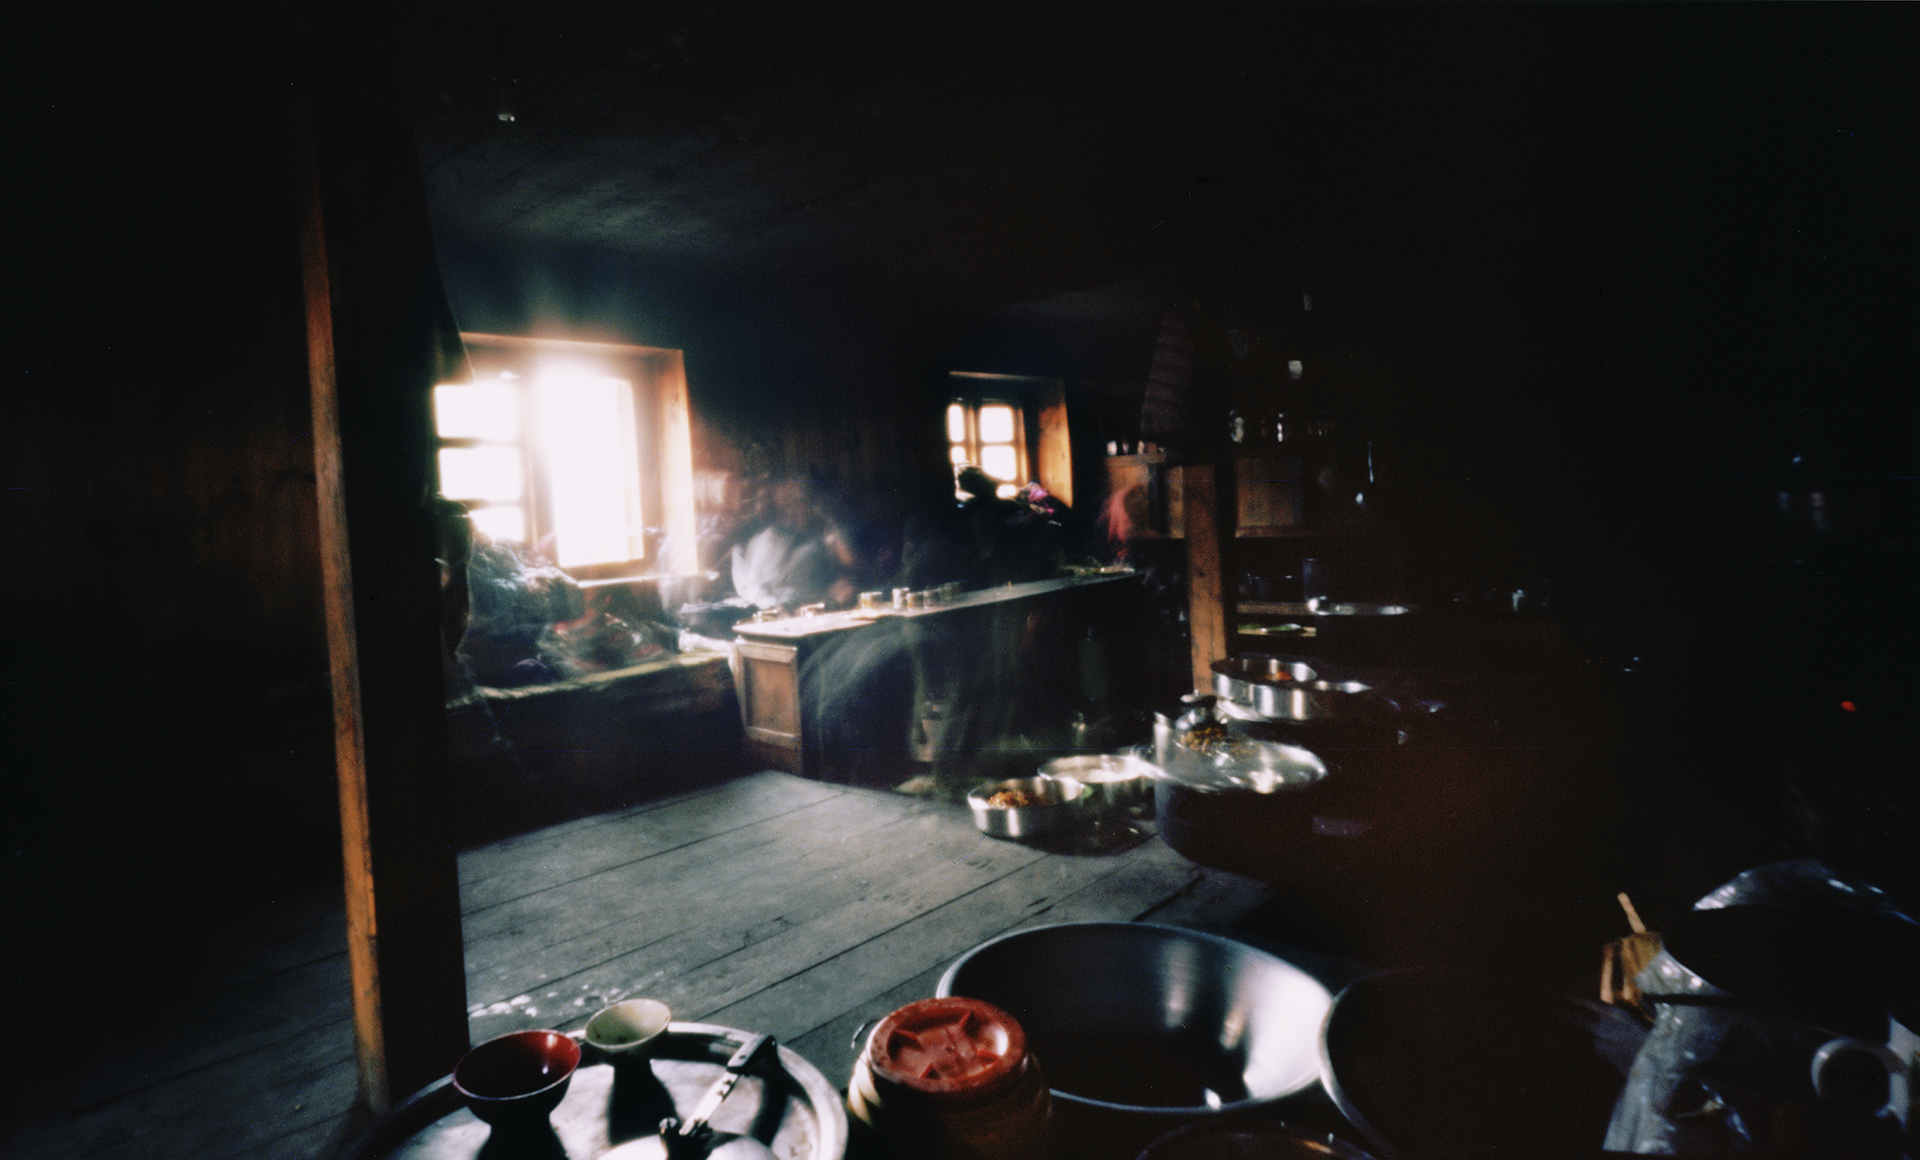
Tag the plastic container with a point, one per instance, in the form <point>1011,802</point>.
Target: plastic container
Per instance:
<point>951,1079</point>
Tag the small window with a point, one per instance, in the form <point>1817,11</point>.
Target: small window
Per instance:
<point>1014,428</point>
<point>579,451</point>
<point>988,433</point>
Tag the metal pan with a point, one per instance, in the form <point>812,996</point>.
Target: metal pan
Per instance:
<point>792,1108</point>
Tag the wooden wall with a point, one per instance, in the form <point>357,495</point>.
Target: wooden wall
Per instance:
<point>169,706</point>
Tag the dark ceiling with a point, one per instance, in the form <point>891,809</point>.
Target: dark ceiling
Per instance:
<point>986,154</point>
<point>974,152</point>
<point>1606,195</point>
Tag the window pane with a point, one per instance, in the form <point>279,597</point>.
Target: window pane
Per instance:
<point>503,524</point>
<point>586,433</point>
<point>958,454</point>
<point>481,411</point>
<point>996,423</point>
<point>956,423</point>
<point>481,473</point>
<point>999,462</point>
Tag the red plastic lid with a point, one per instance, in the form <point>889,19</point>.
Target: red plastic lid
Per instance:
<point>954,1048</point>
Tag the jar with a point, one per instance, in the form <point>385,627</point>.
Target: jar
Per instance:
<point>951,1079</point>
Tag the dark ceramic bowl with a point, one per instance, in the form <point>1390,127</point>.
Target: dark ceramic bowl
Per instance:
<point>518,1078</point>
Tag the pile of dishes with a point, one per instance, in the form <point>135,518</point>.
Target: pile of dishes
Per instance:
<point>1270,688</point>
<point>1068,795</point>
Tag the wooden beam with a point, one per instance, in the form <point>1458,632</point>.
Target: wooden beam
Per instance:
<point>1207,597</point>
<point>371,346</point>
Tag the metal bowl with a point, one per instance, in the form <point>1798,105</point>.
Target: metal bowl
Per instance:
<point>1239,678</point>
<point>1153,1024</point>
<point>1041,807</point>
<point>1269,688</point>
<point>1116,783</point>
<point>1320,606</point>
<point>1237,763</point>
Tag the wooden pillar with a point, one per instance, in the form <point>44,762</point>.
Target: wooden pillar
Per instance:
<point>375,311</point>
<point>1208,601</point>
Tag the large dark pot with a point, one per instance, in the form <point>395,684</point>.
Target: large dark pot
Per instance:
<point>1263,809</point>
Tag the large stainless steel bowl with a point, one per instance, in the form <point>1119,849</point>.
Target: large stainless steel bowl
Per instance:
<point>1116,783</point>
<point>1269,688</point>
<point>1155,1023</point>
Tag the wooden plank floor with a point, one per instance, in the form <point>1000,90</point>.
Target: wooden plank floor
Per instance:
<point>768,903</point>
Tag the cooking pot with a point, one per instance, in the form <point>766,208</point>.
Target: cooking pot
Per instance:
<point>1270,688</point>
<point>1266,809</point>
<point>1236,803</point>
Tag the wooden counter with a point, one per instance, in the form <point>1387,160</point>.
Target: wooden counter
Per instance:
<point>775,704</point>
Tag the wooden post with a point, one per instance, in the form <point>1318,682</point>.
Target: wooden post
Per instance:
<point>1207,597</point>
<point>368,281</point>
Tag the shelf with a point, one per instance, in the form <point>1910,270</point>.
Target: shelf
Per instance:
<point>1299,533</point>
<point>1293,608</point>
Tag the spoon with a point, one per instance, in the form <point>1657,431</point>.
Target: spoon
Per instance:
<point>694,1140</point>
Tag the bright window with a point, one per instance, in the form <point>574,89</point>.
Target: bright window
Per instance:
<point>579,451</point>
<point>988,433</point>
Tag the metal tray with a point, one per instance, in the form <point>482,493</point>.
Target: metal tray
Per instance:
<point>798,1114</point>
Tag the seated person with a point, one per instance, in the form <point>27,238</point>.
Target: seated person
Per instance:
<point>794,560</point>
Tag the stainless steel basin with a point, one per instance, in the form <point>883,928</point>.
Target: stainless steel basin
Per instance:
<point>1152,1021</point>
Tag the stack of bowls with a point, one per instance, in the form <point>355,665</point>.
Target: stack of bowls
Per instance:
<point>1069,795</point>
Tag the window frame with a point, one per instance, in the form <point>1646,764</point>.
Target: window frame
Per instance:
<point>1041,441</point>
<point>660,458</point>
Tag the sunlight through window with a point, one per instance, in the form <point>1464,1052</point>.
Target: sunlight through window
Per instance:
<point>579,452</point>
<point>584,421</point>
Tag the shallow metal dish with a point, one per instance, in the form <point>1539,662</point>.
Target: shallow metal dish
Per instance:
<point>1321,607</point>
<point>1059,804</point>
<point>1271,689</point>
<point>1238,764</point>
<point>793,1108</point>
<point>1314,700</point>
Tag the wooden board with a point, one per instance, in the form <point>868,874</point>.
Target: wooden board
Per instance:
<point>767,903</point>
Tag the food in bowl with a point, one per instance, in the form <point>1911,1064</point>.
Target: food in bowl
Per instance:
<point>1028,807</point>
<point>1008,799</point>
<point>1205,736</point>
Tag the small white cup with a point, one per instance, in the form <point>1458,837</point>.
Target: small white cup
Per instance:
<point>629,1029</point>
